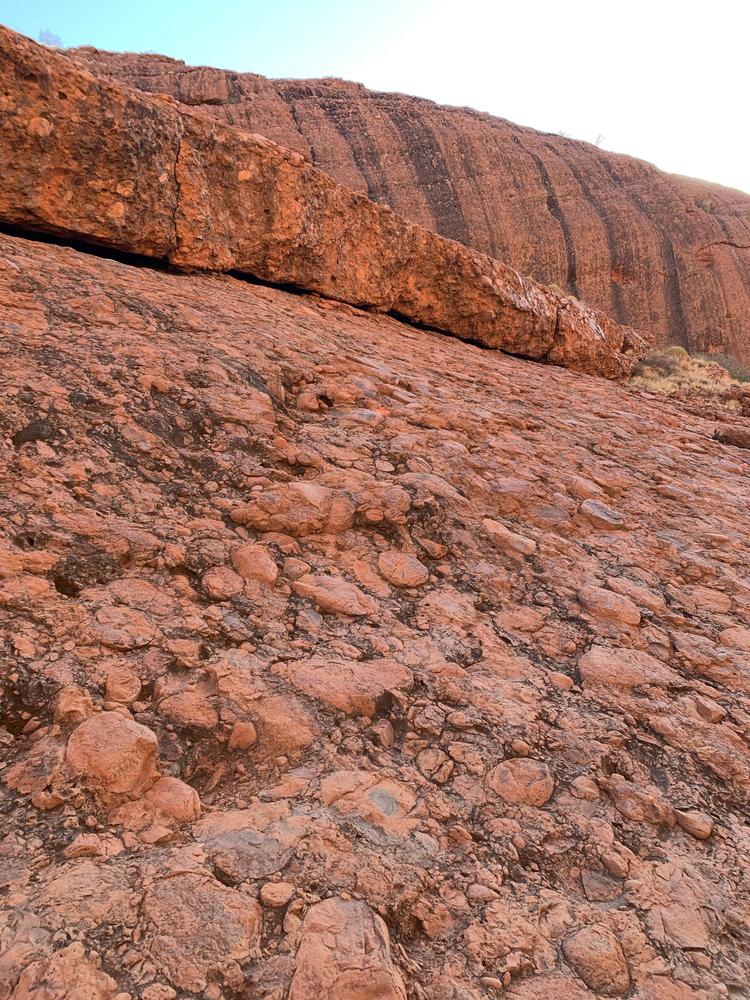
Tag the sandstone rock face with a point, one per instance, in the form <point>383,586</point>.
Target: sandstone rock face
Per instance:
<point>196,924</point>
<point>207,196</point>
<point>344,954</point>
<point>665,254</point>
<point>521,781</point>
<point>444,653</point>
<point>523,787</point>
<point>68,974</point>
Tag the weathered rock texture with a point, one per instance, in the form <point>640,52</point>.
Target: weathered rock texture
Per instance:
<point>86,158</point>
<point>341,659</point>
<point>664,254</point>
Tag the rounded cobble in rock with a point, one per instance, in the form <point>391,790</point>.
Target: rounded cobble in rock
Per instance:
<point>402,570</point>
<point>113,753</point>
<point>522,781</point>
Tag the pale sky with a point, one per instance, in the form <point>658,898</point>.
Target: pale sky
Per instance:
<point>662,80</point>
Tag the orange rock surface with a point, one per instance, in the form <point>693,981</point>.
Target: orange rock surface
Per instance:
<point>378,745</point>
<point>340,659</point>
<point>202,195</point>
<point>667,255</point>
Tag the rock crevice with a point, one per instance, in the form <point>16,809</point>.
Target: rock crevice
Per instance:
<point>638,235</point>
<point>114,167</point>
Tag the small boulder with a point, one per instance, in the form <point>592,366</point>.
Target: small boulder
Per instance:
<point>276,894</point>
<point>353,686</point>
<point>596,956</point>
<point>221,583</point>
<point>72,705</point>
<point>243,736</point>
<point>344,954</point>
<point>522,781</point>
<point>114,754</point>
<point>334,596</point>
<point>401,569</point>
<point>255,562</point>
<point>175,799</point>
<point>601,516</point>
<point>67,974</point>
<point>698,824</point>
<point>123,684</point>
<point>601,603</point>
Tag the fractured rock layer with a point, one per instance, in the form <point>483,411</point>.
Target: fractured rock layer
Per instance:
<point>86,158</point>
<point>341,659</point>
<point>665,254</point>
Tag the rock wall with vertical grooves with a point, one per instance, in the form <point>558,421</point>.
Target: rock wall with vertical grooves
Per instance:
<point>665,254</point>
<point>111,166</point>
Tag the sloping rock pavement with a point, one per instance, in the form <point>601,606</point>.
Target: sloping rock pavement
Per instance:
<point>109,165</point>
<point>343,659</point>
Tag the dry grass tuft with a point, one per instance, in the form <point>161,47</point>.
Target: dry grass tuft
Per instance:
<point>715,378</point>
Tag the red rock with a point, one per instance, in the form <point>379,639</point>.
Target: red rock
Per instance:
<point>243,736</point>
<point>522,781</point>
<point>221,583</point>
<point>605,604</point>
<point>285,725</point>
<point>601,516</point>
<point>696,823</point>
<point>299,508</point>
<point>276,894</point>
<point>255,562</point>
<point>640,804</point>
<point>174,799</point>
<point>69,969</point>
<point>122,628</point>
<point>344,954</point>
<point>122,685</point>
<point>624,668</point>
<point>85,845</point>
<point>595,954</point>
<point>73,705</point>
<point>508,539</point>
<point>189,708</point>
<point>298,227</point>
<point>356,687</point>
<point>334,596</point>
<point>653,250</point>
<point>115,755</point>
<point>417,439</point>
<point>402,569</point>
<point>177,912</point>
<point>385,804</point>
<point>739,437</point>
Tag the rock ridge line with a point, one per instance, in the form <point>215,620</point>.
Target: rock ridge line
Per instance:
<point>108,165</point>
<point>666,254</point>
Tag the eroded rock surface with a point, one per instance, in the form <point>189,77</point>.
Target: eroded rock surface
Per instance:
<point>106,164</point>
<point>344,954</point>
<point>428,722</point>
<point>663,253</point>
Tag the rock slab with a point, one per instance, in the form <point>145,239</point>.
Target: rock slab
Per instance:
<point>88,159</point>
<point>666,254</point>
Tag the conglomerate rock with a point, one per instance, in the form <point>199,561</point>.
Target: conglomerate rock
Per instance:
<point>83,157</point>
<point>342,659</point>
<point>665,254</point>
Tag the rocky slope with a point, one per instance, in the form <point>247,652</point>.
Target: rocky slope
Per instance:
<point>665,254</point>
<point>200,195</point>
<point>342,659</point>
<point>339,659</point>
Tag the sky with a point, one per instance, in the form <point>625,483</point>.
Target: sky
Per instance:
<point>662,80</point>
